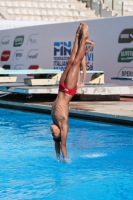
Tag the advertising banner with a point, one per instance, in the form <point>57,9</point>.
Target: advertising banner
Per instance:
<point>49,46</point>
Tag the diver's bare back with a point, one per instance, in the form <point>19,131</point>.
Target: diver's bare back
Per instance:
<point>60,109</point>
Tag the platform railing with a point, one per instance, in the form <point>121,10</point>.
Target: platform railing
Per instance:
<point>115,5</point>
<point>112,5</point>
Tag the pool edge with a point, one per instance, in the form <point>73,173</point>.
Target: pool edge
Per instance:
<point>74,113</point>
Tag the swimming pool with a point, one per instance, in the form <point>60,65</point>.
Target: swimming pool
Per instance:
<point>100,163</point>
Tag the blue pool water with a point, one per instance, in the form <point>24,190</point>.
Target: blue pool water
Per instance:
<point>100,165</point>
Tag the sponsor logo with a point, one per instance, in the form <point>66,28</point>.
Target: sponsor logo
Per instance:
<point>5,55</point>
<point>126,72</point>
<point>89,66</point>
<point>90,58</point>
<point>18,41</point>
<point>126,36</point>
<point>126,55</point>
<point>33,54</point>
<point>18,55</point>
<point>32,67</point>
<point>19,66</point>
<point>61,54</point>
<point>5,40</point>
<point>32,39</point>
<point>6,66</point>
<point>62,48</point>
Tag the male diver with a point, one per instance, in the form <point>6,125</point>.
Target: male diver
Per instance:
<point>67,89</point>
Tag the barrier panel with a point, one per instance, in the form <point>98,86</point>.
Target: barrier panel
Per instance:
<point>49,46</point>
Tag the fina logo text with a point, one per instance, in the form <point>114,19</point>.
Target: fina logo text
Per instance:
<point>90,59</point>
<point>62,52</point>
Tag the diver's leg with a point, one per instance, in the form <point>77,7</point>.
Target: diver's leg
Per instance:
<point>84,71</point>
<point>72,75</point>
<point>78,83</point>
<point>73,54</point>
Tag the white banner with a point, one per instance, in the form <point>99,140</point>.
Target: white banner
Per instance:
<point>49,46</point>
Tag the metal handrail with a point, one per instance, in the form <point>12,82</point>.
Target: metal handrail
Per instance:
<point>113,5</point>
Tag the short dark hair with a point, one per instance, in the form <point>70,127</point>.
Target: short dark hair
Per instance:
<point>57,139</point>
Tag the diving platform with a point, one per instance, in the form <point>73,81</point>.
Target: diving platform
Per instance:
<point>88,89</point>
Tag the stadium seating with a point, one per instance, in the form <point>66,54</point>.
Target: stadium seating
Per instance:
<point>59,10</point>
<point>45,10</point>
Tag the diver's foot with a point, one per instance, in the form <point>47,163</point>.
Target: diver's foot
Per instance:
<point>79,29</point>
<point>85,30</point>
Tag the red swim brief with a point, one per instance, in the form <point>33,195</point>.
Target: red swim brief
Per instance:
<point>63,88</point>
